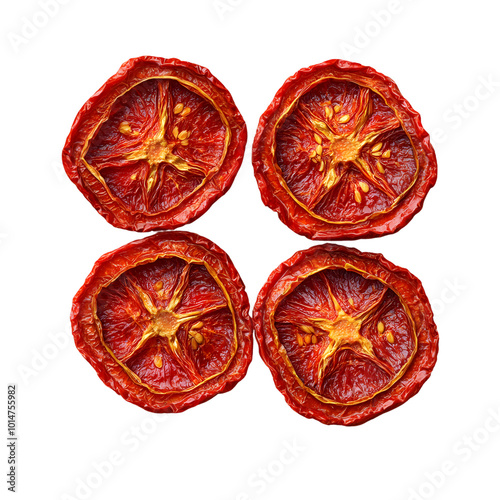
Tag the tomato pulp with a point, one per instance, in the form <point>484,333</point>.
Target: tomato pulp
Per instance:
<point>164,321</point>
<point>157,145</point>
<point>347,335</point>
<point>340,154</point>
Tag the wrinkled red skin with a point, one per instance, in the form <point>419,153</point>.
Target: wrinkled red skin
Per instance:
<point>270,180</point>
<point>192,206</point>
<point>407,286</point>
<point>109,267</point>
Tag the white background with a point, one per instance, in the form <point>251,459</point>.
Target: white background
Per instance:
<point>77,438</point>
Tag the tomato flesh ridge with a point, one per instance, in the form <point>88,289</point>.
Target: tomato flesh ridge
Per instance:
<point>168,322</point>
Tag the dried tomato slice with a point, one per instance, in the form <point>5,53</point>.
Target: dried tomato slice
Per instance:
<point>340,154</point>
<point>347,335</point>
<point>156,145</point>
<point>164,321</point>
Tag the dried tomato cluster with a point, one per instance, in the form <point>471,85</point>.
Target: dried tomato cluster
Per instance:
<point>338,154</point>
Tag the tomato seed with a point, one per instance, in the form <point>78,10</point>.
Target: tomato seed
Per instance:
<point>158,361</point>
<point>183,135</point>
<point>364,186</point>
<point>178,108</point>
<point>125,128</point>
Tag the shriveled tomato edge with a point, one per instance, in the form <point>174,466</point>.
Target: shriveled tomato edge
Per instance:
<point>417,373</point>
<point>193,206</point>
<point>297,218</point>
<point>110,372</point>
